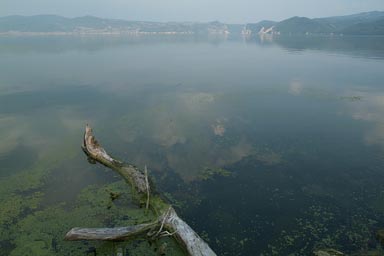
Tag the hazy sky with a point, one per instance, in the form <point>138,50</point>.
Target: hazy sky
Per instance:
<point>233,11</point>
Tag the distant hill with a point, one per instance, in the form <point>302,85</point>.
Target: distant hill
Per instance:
<point>339,23</point>
<point>365,28</point>
<point>90,24</point>
<point>301,25</point>
<point>53,23</point>
<point>367,23</point>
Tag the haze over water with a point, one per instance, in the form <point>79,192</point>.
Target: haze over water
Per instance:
<point>266,146</point>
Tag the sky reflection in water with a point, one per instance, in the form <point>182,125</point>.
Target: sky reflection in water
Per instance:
<point>297,125</point>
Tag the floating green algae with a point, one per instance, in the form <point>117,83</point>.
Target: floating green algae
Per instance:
<point>42,231</point>
<point>319,228</point>
<point>352,98</point>
<point>20,194</point>
<point>27,227</point>
<point>210,173</point>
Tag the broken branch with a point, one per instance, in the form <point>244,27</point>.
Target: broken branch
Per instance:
<point>168,220</point>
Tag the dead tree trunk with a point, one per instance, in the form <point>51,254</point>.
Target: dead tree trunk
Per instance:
<point>168,222</point>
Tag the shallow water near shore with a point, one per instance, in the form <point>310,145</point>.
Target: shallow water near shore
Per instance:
<point>266,146</point>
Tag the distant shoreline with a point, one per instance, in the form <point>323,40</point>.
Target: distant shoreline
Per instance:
<point>368,23</point>
<point>117,34</point>
<point>18,33</point>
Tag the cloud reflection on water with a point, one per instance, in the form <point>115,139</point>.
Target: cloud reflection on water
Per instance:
<point>371,109</point>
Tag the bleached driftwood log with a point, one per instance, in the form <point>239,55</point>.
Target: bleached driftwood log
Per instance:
<point>168,222</point>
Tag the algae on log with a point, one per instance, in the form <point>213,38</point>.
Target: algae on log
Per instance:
<point>167,224</point>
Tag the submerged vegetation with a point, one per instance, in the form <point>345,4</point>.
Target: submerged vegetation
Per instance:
<point>41,231</point>
<point>352,98</point>
<point>210,173</point>
<point>29,227</point>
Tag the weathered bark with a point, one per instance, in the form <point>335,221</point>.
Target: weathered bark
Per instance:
<point>186,236</point>
<point>168,222</point>
<point>113,234</point>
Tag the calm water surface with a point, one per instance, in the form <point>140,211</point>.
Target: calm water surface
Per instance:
<point>265,146</point>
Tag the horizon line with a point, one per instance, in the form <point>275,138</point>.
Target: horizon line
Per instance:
<point>154,21</point>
